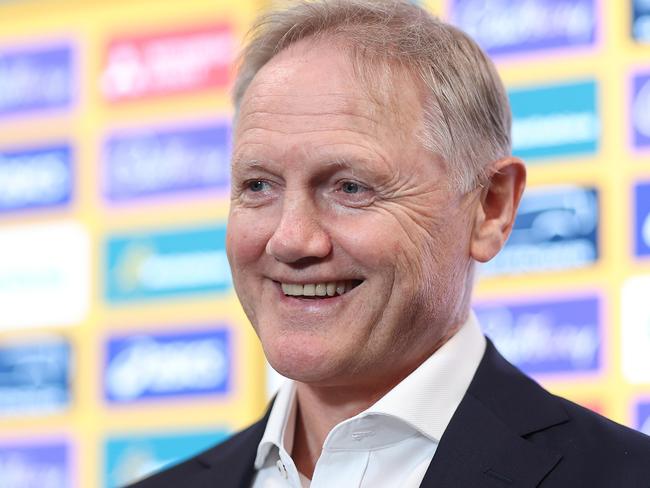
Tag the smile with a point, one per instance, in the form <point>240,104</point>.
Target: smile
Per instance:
<point>328,289</point>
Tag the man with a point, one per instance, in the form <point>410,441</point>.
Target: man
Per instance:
<point>371,169</point>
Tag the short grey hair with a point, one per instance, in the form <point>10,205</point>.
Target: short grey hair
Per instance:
<point>466,112</point>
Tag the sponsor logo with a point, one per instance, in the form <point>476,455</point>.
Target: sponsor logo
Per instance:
<point>515,26</point>
<point>155,366</point>
<point>35,378</point>
<point>153,162</point>
<point>642,219</point>
<point>55,276</point>
<point>131,458</point>
<point>35,79</point>
<point>540,337</point>
<point>641,111</point>
<point>167,263</point>
<point>35,178</point>
<point>556,228</point>
<point>635,329</point>
<point>35,465</point>
<point>166,63</point>
<point>641,20</point>
<point>555,121</point>
<point>643,417</point>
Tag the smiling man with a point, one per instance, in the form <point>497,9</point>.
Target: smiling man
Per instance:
<point>371,170</point>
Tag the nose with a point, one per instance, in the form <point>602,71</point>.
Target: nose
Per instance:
<point>299,234</point>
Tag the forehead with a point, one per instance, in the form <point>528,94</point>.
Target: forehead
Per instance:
<point>318,83</point>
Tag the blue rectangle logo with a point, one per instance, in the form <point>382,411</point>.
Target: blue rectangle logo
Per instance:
<point>36,79</point>
<point>642,219</point>
<point>542,337</point>
<point>151,366</point>
<point>641,20</point>
<point>640,110</point>
<point>556,228</point>
<point>145,266</point>
<point>36,465</point>
<point>35,178</point>
<point>166,161</point>
<point>130,458</point>
<point>512,26</point>
<point>555,121</point>
<point>35,378</point>
<point>643,417</point>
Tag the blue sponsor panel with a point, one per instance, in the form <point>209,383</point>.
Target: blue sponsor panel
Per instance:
<point>555,121</point>
<point>542,337</point>
<point>642,219</point>
<point>163,162</point>
<point>36,79</point>
<point>133,457</point>
<point>33,178</point>
<point>35,378</point>
<point>37,465</point>
<point>641,20</point>
<point>158,366</point>
<point>556,228</point>
<point>640,110</point>
<point>643,417</point>
<point>156,265</point>
<point>512,26</point>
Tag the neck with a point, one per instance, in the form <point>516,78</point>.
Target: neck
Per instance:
<point>319,410</point>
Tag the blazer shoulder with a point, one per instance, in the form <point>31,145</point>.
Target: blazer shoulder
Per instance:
<point>594,450</point>
<point>597,431</point>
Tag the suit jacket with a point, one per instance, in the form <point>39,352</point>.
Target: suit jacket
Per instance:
<point>507,432</point>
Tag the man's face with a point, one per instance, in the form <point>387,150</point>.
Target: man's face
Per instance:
<point>334,196</point>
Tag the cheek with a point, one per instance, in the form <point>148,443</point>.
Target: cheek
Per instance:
<point>246,239</point>
<point>371,243</point>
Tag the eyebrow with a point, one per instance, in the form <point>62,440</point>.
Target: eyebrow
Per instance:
<point>326,160</point>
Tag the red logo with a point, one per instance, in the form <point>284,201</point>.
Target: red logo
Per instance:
<point>168,63</point>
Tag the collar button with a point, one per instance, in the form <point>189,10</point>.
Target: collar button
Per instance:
<point>282,469</point>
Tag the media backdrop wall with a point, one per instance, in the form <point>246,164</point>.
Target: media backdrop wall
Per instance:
<point>122,345</point>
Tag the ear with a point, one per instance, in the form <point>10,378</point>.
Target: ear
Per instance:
<point>497,208</point>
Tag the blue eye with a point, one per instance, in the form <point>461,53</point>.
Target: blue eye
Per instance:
<point>256,185</point>
<point>350,187</point>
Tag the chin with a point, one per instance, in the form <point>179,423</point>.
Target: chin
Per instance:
<point>301,361</point>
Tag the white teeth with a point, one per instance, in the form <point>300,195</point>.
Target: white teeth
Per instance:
<point>317,289</point>
<point>331,289</point>
<point>309,290</point>
<point>292,290</point>
<point>296,290</point>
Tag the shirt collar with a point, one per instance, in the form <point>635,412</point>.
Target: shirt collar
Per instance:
<point>425,400</point>
<point>280,427</point>
<point>428,397</point>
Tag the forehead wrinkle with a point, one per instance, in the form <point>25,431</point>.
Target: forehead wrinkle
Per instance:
<point>263,110</point>
<point>353,161</point>
<point>273,113</point>
<point>355,132</point>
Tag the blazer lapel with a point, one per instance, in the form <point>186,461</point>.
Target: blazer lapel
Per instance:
<point>484,445</point>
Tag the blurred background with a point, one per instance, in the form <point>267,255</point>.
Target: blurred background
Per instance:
<point>122,345</point>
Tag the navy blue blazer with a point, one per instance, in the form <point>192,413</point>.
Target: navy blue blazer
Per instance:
<point>507,432</point>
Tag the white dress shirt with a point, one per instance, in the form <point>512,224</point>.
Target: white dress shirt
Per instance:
<point>391,443</point>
